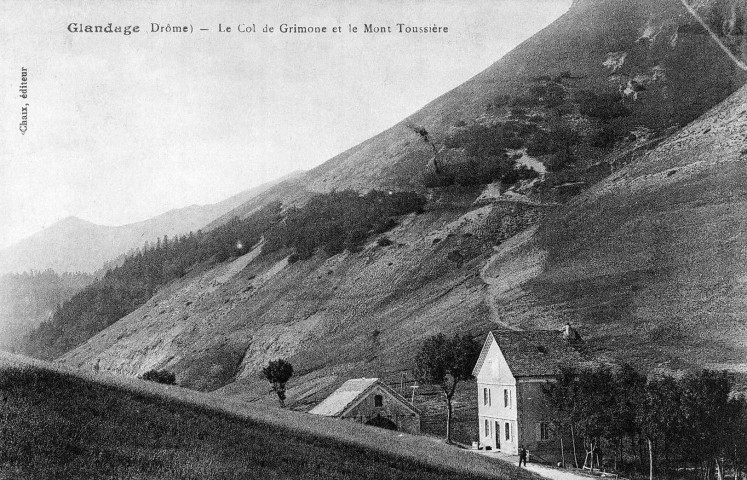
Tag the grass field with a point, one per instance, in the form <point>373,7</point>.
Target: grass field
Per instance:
<point>57,425</point>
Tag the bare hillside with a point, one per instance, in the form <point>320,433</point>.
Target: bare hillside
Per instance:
<point>651,260</point>
<point>371,308</point>
<point>647,263</point>
<point>669,71</point>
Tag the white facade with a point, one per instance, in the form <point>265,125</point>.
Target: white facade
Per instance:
<point>497,403</point>
<point>512,374</point>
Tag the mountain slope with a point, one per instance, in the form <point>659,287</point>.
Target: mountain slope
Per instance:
<point>669,71</point>
<point>646,263</point>
<point>74,244</point>
<point>652,260</point>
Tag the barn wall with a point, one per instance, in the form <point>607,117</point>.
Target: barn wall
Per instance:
<point>406,420</point>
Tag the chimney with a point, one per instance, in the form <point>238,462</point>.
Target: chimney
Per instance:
<point>567,331</point>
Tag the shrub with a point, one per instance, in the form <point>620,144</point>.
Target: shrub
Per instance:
<point>524,101</point>
<point>482,140</point>
<point>550,94</point>
<point>502,100</point>
<point>605,106</point>
<point>540,144</point>
<point>435,180</point>
<point>516,174</point>
<point>160,376</point>
<point>605,137</point>
<point>384,241</point>
<point>384,225</point>
<point>559,161</point>
<point>561,137</point>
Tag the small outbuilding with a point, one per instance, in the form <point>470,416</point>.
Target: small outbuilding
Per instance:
<point>371,402</point>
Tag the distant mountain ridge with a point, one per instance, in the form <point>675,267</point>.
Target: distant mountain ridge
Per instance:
<point>74,244</point>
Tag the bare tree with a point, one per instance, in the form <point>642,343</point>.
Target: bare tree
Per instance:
<point>425,136</point>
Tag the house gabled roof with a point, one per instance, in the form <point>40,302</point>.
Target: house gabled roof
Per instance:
<point>533,353</point>
<point>353,392</point>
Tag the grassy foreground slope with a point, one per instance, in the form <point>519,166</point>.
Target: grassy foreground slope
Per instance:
<point>60,424</point>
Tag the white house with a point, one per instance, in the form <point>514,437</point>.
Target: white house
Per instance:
<point>511,372</point>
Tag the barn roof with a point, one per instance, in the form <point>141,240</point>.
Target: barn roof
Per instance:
<point>350,393</point>
<point>533,353</point>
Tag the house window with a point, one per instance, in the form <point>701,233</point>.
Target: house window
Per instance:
<point>508,431</point>
<point>490,402</point>
<point>484,396</point>
<point>378,401</point>
<point>487,428</point>
<point>507,398</point>
<point>544,431</point>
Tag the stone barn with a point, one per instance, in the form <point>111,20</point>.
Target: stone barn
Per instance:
<point>371,402</point>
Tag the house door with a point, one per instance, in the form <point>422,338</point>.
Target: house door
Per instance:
<point>497,433</point>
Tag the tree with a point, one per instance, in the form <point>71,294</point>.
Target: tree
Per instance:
<point>445,362</point>
<point>595,404</point>
<point>562,397</point>
<point>278,372</point>
<point>660,416</point>
<point>160,376</point>
<point>425,136</point>
<point>707,415</point>
<point>629,388</point>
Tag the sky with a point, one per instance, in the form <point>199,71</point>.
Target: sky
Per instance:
<point>121,128</point>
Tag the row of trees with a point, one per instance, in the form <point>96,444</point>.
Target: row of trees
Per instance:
<point>332,222</point>
<point>655,424</point>
<point>339,221</point>
<point>27,299</point>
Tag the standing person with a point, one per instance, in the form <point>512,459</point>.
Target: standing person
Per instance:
<point>522,455</point>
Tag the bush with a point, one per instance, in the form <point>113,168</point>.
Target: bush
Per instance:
<point>524,101</point>
<point>384,225</point>
<point>605,137</point>
<point>384,242</point>
<point>550,94</point>
<point>559,161</point>
<point>516,174</point>
<point>561,137</point>
<point>605,106</point>
<point>482,141</point>
<point>160,376</point>
<point>435,180</point>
